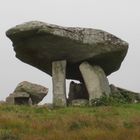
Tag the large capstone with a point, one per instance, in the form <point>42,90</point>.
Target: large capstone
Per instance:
<point>39,44</point>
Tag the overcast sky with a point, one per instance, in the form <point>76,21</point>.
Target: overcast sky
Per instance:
<point>119,17</point>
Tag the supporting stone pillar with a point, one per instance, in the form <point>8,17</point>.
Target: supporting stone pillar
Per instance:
<point>95,80</point>
<point>59,83</point>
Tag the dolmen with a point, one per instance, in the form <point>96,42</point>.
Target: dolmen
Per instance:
<point>83,54</point>
<point>27,93</point>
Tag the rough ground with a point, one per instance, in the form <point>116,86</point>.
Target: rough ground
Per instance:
<point>95,123</point>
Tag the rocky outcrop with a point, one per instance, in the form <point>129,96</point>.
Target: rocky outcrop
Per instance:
<point>130,96</point>
<point>27,93</point>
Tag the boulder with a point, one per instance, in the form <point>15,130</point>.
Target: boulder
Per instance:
<point>39,44</point>
<point>34,91</point>
<point>27,93</point>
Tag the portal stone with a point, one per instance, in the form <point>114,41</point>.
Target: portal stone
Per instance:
<point>95,80</point>
<point>59,83</point>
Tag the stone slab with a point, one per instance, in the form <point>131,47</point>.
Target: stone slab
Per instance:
<point>59,83</point>
<point>39,44</point>
<point>95,80</point>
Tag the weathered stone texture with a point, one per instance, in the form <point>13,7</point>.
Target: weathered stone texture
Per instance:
<point>27,93</point>
<point>35,91</point>
<point>59,83</point>
<point>39,44</point>
<point>95,80</point>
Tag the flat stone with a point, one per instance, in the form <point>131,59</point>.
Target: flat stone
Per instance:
<point>95,80</point>
<point>39,44</point>
<point>21,95</point>
<point>18,98</point>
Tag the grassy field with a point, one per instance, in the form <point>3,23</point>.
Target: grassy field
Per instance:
<point>120,122</point>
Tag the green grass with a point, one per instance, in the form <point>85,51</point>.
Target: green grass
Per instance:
<point>73,123</point>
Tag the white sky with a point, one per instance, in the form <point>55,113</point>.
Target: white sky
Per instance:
<point>119,17</point>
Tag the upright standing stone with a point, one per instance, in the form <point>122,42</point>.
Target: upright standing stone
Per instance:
<point>95,80</point>
<point>59,83</point>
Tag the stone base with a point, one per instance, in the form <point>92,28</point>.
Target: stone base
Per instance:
<point>18,98</point>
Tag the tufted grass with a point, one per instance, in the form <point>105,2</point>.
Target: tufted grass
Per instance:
<point>73,123</point>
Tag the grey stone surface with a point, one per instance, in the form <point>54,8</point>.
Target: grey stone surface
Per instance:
<point>18,98</point>
<point>80,102</point>
<point>21,94</point>
<point>77,91</point>
<point>39,44</point>
<point>59,83</point>
<point>34,91</point>
<point>95,80</point>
